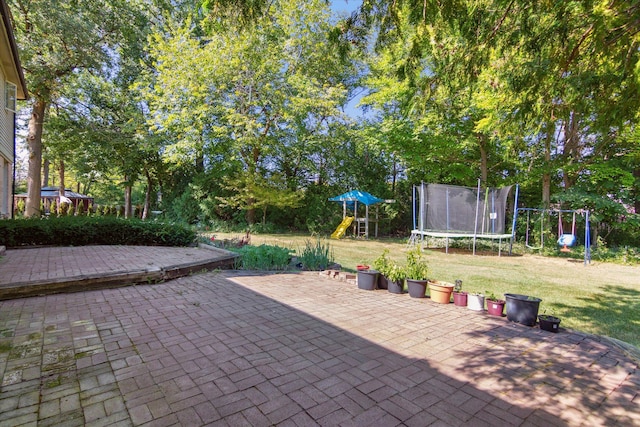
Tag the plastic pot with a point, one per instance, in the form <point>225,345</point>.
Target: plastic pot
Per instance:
<point>475,302</point>
<point>395,287</point>
<point>495,307</point>
<point>367,279</point>
<point>440,291</point>
<point>549,323</point>
<point>460,299</point>
<point>382,281</point>
<point>522,309</point>
<point>417,288</point>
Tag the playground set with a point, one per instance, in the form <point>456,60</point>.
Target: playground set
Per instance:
<point>353,200</point>
<point>452,212</point>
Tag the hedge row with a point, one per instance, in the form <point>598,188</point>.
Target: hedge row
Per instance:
<point>83,230</point>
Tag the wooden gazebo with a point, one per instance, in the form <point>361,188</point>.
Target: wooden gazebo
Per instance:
<point>49,194</point>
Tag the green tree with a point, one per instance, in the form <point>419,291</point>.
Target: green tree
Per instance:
<point>57,39</point>
<point>252,96</point>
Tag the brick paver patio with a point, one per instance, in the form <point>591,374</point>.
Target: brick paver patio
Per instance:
<point>295,350</point>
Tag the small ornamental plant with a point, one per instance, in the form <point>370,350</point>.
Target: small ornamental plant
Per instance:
<point>382,263</point>
<point>457,288</point>
<point>417,268</point>
<point>388,267</point>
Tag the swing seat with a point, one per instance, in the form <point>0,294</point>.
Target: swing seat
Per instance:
<point>566,240</point>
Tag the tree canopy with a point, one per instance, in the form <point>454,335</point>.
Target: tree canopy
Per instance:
<point>228,108</point>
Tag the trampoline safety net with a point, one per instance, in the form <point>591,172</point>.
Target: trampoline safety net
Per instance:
<point>452,209</point>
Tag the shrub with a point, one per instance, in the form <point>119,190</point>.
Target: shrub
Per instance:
<point>20,207</point>
<point>416,268</point>
<point>316,256</point>
<point>264,257</point>
<point>83,230</point>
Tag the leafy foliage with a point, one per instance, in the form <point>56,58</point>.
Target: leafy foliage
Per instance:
<point>83,230</point>
<point>416,268</point>
<point>388,267</point>
<point>234,110</point>
<point>315,256</point>
<point>264,257</point>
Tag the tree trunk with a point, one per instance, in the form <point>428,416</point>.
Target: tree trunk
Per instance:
<point>484,169</point>
<point>636,203</point>
<point>127,198</point>
<point>571,149</point>
<point>45,173</point>
<point>61,192</point>
<point>200,158</point>
<point>394,174</point>
<point>251,213</point>
<point>253,170</point>
<point>34,144</point>
<point>546,175</point>
<point>147,196</point>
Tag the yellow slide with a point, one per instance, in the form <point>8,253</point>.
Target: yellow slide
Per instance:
<point>342,228</point>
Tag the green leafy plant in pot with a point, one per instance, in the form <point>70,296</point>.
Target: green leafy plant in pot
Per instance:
<point>416,273</point>
<point>390,273</point>
<point>495,306</point>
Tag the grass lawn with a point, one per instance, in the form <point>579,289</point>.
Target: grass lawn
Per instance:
<point>600,298</point>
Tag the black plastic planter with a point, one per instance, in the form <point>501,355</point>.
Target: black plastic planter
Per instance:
<point>417,288</point>
<point>395,287</point>
<point>522,309</point>
<point>549,323</point>
<point>367,279</point>
<point>382,281</point>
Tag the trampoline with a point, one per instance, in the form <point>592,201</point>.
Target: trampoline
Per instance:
<point>451,211</point>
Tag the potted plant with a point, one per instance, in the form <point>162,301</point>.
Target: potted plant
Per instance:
<point>367,279</point>
<point>391,274</point>
<point>522,308</point>
<point>383,265</point>
<point>459,296</point>
<point>395,279</point>
<point>475,301</point>
<point>416,273</point>
<point>440,292</point>
<point>495,306</point>
<point>549,322</point>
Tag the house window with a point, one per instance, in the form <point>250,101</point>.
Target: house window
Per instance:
<point>10,96</point>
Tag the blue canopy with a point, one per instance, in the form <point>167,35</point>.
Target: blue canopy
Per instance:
<point>357,196</point>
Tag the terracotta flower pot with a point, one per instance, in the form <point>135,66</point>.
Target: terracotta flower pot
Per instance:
<point>440,291</point>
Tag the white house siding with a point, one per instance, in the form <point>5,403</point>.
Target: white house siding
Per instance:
<point>6,179</point>
<point>6,153</point>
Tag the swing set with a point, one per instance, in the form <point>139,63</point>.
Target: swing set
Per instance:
<point>565,240</point>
